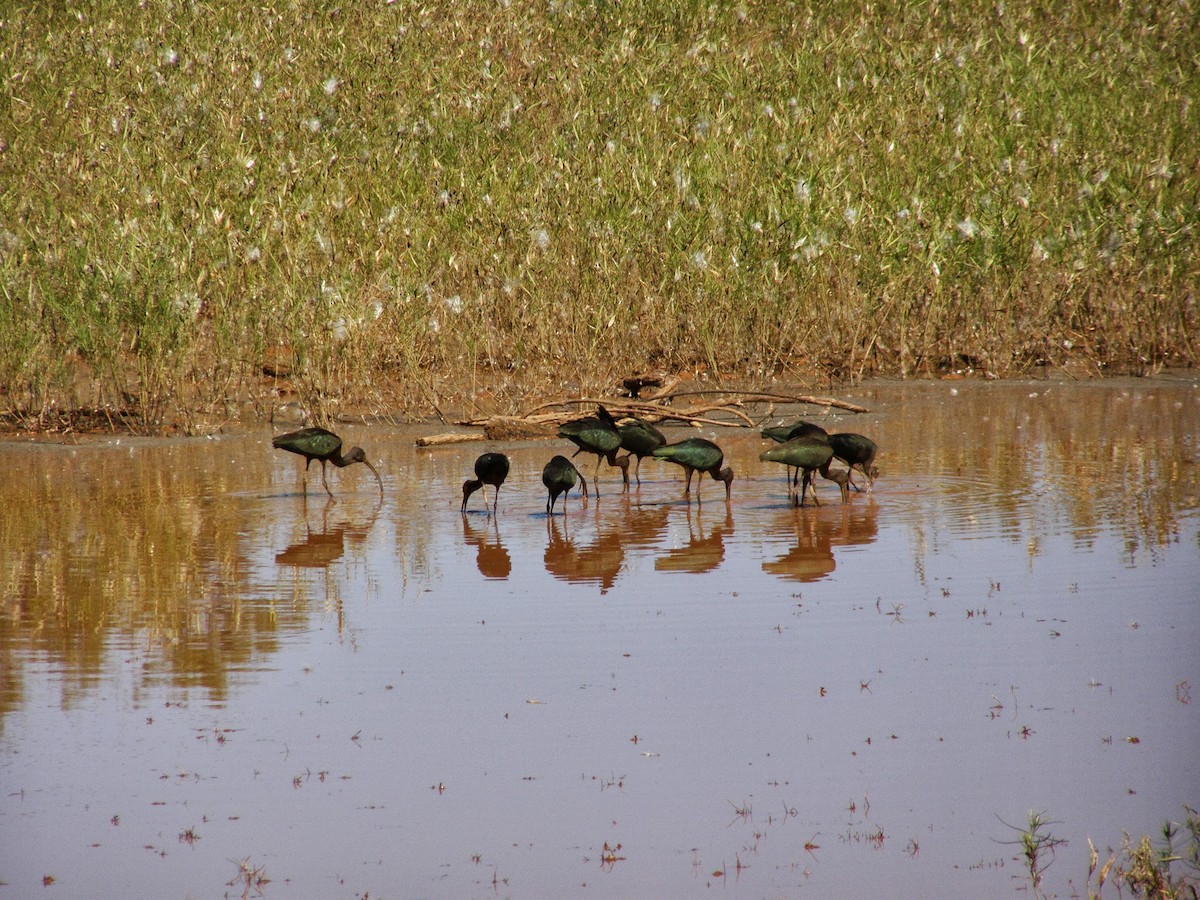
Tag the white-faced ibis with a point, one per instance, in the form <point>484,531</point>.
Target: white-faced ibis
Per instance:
<point>317,443</point>
<point>641,439</point>
<point>697,455</point>
<point>807,454</point>
<point>490,468</point>
<point>597,434</point>
<point>559,476</point>
<point>781,434</point>
<point>856,450</point>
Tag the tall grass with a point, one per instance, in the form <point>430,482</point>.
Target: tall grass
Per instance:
<point>406,197</point>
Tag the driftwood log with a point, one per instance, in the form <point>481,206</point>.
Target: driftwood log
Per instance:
<point>438,440</point>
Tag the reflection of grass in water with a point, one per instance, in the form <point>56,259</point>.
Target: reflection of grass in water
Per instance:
<point>153,554</point>
<point>364,199</point>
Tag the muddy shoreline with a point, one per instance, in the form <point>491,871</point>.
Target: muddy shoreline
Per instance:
<point>88,425</point>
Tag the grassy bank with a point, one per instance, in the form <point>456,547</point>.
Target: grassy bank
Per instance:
<point>378,200</point>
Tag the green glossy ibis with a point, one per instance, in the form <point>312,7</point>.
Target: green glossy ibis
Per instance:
<point>783,433</point>
<point>317,443</point>
<point>490,468</point>
<point>856,450</point>
<point>559,476</point>
<point>641,439</point>
<point>597,434</point>
<point>697,455</point>
<point>807,454</point>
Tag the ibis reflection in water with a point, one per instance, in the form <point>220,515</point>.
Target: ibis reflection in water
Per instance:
<point>705,548</point>
<point>811,557</point>
<point>597,563</point>
<point>318,443</point>
<point>319,549</point>
<point>491,556</point>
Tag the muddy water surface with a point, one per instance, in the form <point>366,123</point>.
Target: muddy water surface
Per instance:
<point>207,678</point>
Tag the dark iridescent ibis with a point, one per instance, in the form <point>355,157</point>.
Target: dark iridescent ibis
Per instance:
<point>641,439</point>
<point>856,450</point>
<point>490,468</point>
<point>697,455</point>
<point>783,433</point>
<point>807,454</point>
<point>597,434</point>
<point>317,443</point>
<point>559,476</point>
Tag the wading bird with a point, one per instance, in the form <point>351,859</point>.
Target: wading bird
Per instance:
<point>559,476</point>
<point>490,468</point>
<point>641,439</point>
<point>856,450</point>
<point>317,443</point>
<point>783,433</point>
<point>697,455</point>
<point>597,434</point>
<point>807,454</point>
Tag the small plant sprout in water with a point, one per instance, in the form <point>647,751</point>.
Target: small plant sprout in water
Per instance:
<point>1038,847</point>
<point>745,812</point>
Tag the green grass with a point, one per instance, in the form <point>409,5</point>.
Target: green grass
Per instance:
<point>414,198</point>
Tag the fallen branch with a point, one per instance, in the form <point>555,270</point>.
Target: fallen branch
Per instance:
<point>771,397</point>
<point>536,422</point>
<point>437,440</point>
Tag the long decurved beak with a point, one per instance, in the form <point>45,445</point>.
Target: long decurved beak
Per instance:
<point>367,463</point>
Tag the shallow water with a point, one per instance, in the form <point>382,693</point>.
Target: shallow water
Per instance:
<point>202,668</point>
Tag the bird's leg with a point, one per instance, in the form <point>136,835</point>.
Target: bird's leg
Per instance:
<point>687,490</point>
<point>638,471</point>
<point>851,480</point>
<point>324,481</point>
<point>495,500</point>
<point>483,487</point>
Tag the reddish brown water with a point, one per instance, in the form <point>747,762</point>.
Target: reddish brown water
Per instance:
<point>638,698</point>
